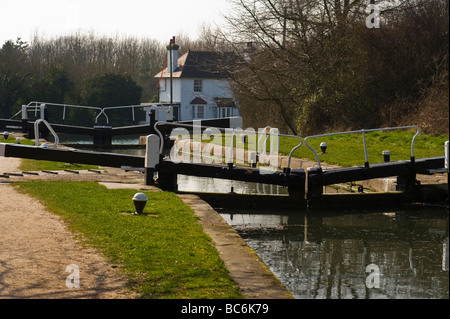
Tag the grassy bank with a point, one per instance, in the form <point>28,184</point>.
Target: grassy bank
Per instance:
<point>348,149</point>
<point>165,252</point>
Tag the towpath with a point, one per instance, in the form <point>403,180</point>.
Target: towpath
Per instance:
<point>36,249</point>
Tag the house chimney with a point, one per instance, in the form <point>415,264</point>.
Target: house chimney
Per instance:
<point>172,55</point>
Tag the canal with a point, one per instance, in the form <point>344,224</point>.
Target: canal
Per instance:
<point>342,254</point>
<point>339,254</point>
<point>352,255</point>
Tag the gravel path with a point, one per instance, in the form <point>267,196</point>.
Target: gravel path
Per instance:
<point>36,250</point>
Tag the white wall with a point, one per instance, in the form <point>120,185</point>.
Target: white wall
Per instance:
<point>211,89</point>
<point>164,96</point>
<point>183,93</point>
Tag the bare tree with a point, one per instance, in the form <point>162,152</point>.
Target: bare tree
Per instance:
<point>316,66</point>
<point>290,38</point>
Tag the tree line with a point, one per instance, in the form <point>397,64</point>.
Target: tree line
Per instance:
<point>305,66</point>
<point>81,69</point>
<point>325,65</point>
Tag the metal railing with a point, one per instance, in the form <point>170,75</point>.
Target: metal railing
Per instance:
<point>40,106</point>
<point>363,132</point>
<point>36,131</point>
<point>293,150</point>
<point>103,111</point>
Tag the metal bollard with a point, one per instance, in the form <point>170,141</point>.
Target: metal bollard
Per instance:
<point>387,156</point>
<point>140,200</point>
<point>323,147</point>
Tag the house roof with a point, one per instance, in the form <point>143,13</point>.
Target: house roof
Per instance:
<point>199,100</point>
<point>201,64</point>
<point>225,102</point>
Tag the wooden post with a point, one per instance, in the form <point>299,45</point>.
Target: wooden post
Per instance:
<point>313,182</point>
<point>102,135</point>
<point>24,119</point>
<point>151,157</point>
<point>168,181</point>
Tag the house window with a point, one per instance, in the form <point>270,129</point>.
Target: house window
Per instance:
<point>198,111</point>
<point>226,112</point>
<point>227,107</point>
<point>198,85</point>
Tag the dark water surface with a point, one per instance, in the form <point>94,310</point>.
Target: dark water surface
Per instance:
<point>353,255</point>
<point>385,254</point>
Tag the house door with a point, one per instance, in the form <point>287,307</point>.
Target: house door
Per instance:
<point>176,112</point>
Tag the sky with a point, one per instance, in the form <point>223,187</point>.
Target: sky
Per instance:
<point>159,20</point>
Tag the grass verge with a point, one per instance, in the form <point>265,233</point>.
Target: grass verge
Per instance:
<point>37,165</point>
<point>164,252</point>
<point>348,149</point>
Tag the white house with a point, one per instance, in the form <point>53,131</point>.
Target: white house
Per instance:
<point>195,86</point>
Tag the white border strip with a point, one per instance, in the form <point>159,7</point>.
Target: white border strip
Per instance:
<point>2,149</point>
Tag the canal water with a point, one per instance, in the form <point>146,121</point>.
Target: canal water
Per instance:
<point>365,254</point>
<point>352,255</point>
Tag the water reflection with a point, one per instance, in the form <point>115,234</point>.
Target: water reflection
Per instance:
<point>86,140</point>
<point>214,185</point>
<point>334,257</point>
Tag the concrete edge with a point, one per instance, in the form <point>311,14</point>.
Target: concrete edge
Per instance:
<point>252,275</point>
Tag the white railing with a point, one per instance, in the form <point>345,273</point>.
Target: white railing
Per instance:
<point>36,131</point>
<point>42,105</point>
<point>39,107</point>
<point>363,132</point>
<point>103,111</point>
